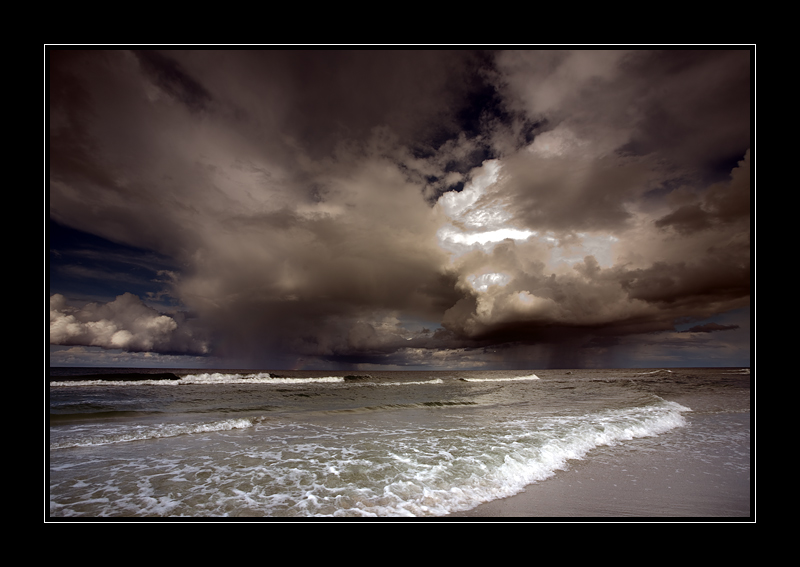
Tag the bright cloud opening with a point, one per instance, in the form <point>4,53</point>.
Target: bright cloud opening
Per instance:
<point>485,281</point>
<point>450,235</point>
<point>478,216</point>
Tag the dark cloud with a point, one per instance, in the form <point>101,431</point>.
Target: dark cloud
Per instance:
<point>330,205</point>
<point>684,111</point>
<point>172,79</point>
<point>693,106</point>
<point>711,327</point>
<point>724,202</point>
<point>687,218</point>
<point>562,193</point>
<point>708,281</point>
<point>319,97</point>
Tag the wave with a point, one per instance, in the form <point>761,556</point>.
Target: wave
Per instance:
<point>419,405</point>
<point>87,436</point>
<point>255,378</point>
<point>507,379</point>
<point>516,461</point>
<point>195,379</point>
<point>457,470</point>
<point>210,378</point>
<point>410,383</point>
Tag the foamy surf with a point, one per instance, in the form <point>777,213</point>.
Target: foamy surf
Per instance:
<point>503,379</point>
<point>441,481</point>
<point>90,435</point>
<point>208,378</point>
<point>255,378</point>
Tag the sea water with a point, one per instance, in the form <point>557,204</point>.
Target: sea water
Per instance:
<point>289,444</point>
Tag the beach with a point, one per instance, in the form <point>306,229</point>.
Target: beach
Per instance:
<point>713,484</point>
<point>451,446</point>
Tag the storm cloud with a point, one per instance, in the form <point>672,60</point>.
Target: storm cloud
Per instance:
<point>392,207</point>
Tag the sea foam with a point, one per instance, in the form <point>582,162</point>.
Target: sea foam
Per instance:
<point>86,435</point>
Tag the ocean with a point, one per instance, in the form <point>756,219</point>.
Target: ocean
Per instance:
<point>133,443</point>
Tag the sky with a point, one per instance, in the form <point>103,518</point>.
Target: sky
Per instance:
<point>393,208</point>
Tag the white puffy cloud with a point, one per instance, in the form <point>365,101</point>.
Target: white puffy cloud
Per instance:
<point>124,323</point>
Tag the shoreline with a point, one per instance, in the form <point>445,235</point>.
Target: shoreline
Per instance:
<point>645,478</point>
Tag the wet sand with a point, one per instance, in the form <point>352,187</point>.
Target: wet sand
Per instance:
<point>643,480</point>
